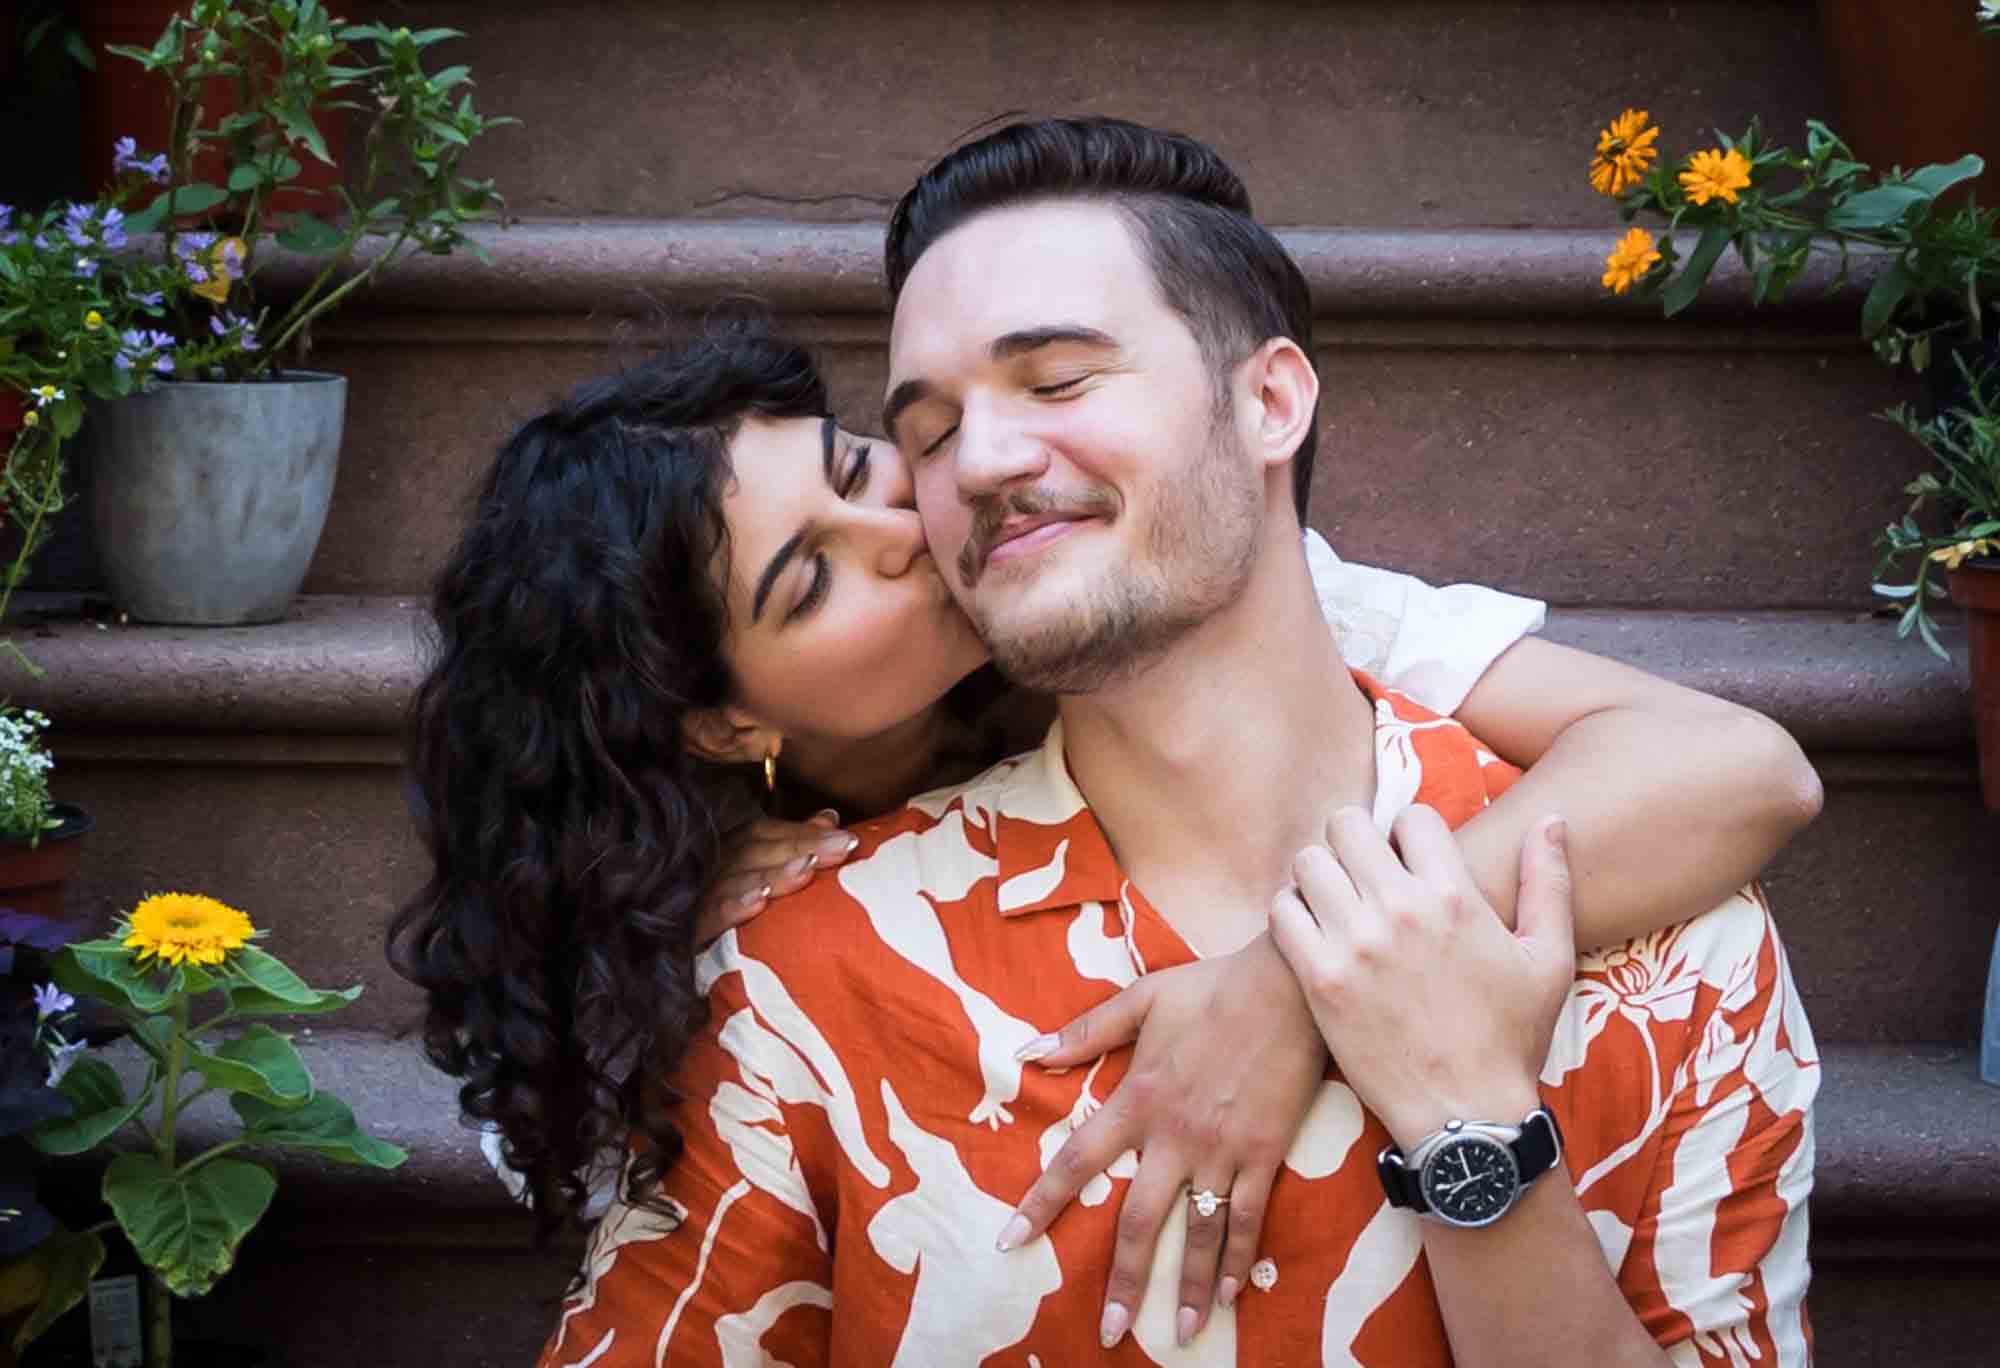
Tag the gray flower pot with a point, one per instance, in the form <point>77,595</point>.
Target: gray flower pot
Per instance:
<point>207,499</point>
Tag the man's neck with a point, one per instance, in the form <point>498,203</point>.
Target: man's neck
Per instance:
<point>1220,759</point>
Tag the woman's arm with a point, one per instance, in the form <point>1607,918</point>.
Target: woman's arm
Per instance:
<point>1638,766</point>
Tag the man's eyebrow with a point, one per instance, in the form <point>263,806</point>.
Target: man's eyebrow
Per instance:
<point>777,564</point>
<point>1007,346</point>
<point>900,398</point>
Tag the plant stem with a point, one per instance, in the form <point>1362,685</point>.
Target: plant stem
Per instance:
<point>160,1301</point>
<point>215,1151</point>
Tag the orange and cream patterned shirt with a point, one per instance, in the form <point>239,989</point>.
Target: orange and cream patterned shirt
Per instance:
<point>857,1127</point>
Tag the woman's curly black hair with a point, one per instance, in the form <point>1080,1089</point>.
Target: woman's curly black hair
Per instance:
<point>571,835</point>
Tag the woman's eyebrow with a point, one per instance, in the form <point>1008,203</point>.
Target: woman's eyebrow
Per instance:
<point>778,562</point>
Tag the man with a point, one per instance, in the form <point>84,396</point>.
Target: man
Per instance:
<point>1610,1161</point>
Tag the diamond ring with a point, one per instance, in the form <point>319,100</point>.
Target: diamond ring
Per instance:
<point>1207,1203</point>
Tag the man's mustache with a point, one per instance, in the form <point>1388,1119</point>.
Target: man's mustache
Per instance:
<point>990,514</point>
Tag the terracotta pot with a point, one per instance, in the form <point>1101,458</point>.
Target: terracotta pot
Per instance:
<point>32,876</point>
<point>120,100</point>
<point>1975,587</point>
<point>1913,82</point>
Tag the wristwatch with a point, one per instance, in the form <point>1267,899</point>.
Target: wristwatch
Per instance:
<point>1471,1173</point>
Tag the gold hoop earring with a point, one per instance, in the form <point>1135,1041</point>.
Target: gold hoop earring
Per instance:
<point>771,771</point>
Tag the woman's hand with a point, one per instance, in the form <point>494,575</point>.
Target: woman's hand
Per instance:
<point>767,860</point>
<point>1227,1064</point>
<point>1435,1009</point>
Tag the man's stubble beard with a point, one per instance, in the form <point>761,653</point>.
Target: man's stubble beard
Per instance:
<point>1199,551</point>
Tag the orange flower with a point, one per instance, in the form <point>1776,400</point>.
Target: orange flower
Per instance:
<point>1624,151</point>
<point>1716,174</point>
<point>1629,261</point>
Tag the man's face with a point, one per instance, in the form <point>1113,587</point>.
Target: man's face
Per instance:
<point>1084,492</point>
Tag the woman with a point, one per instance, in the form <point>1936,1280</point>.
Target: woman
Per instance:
<point>686,584</point>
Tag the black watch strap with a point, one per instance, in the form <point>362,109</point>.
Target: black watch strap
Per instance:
<point>1537,1150</point>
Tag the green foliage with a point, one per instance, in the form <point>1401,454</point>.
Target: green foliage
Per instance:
<point>1936,273</point>
<point>24,776</point>
<point>187,1215</point>
<point>1963,442</point>
<point>293,65</point>
<point>58,1270</point>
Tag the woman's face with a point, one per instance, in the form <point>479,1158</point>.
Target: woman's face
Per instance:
<point>840,626</point>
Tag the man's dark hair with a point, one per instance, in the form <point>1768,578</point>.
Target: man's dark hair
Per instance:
<point>1219,269</point>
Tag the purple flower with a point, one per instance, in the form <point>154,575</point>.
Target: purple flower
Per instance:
<point>112,229</point>
<point>163,365</point>
<point>76,223</point>
<point>195,274</point>
<point>151,299</point>
<point>161,340</point>
<point>123,361</point>
<point>188,246</point>
<point>217,326</point>
<point>249,339</point>
<point>50,999</point>
<point>124,154</point>
<point>85,267</point>
<point>6,214</point>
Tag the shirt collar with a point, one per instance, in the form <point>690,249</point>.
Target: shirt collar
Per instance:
<point>1049,848</point>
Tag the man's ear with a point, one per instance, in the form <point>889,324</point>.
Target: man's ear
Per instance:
<point>728,736</point>
<point>1283,390</point>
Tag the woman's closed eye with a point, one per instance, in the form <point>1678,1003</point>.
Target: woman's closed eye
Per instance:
<point>816,591</point>
<point>1058,388</point>
<point>858,467</point>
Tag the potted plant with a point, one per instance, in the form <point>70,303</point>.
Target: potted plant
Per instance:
<point>1937,272</point>
<point>184,975</point>
<point>244,429</point>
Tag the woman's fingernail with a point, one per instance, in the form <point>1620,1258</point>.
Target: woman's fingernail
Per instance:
<point>755,896</point>
<point>1015,1231</point>
<point>1184,1325</point>
<point>801,865</point>
<point>827,815</point>
<point>1039,1048</point>
<point>1117,1320</point>
<point>1226,1293</point>
<point>838,846</point>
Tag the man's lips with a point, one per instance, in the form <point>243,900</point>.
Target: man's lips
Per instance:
<point>1025,536</point>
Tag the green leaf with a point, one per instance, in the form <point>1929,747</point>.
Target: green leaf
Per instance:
<point>260,969</point>
<point>260,1063</point>
<point>298,125</point>
<point>147,219</point>
<point>1935,180</point>
<point>98,1109</point>
<point>425,37</point>
<point>107,970</point>
<point>1694,275</point>
<point>186,1226</point>
<point>305,233</point>
<point>68,1261</point>
<point>324,1125</point>
<point>450,77</point>
<point>195,199</point>
<point>1895,591</point>
<point>245,178</point>
<point>255,1002</point>
<point>1885,296</point>
<point>1876,208</point>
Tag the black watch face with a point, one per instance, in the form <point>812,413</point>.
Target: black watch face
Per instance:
<point>1471,1180</point>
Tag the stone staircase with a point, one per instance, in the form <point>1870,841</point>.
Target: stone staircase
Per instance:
<point>1697,497</point>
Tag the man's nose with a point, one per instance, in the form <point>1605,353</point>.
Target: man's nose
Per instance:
<point>992,453</point>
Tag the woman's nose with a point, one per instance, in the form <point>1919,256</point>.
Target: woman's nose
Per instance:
<point>891,538</point>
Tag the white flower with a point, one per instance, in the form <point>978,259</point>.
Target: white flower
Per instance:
<point>63,1058</point>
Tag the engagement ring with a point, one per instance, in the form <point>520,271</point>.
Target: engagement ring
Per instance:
<point>1207,1203</point>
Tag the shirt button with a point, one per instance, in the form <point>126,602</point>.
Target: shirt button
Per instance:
<point>1264,1275</point>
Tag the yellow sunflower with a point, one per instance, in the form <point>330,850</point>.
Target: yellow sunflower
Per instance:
<point>1629,261</point>
<point>186,928</point>
<point>1624,152</point>
<point>1716,174</point>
